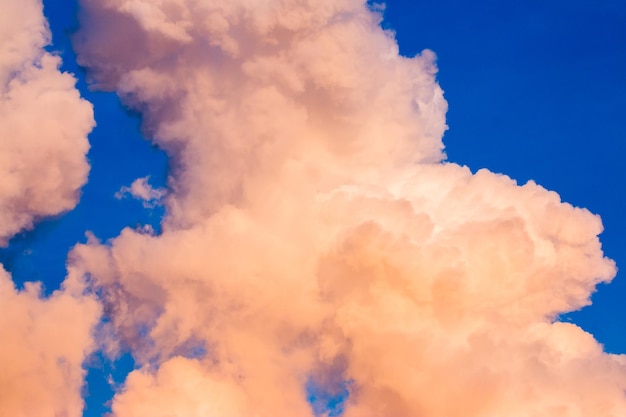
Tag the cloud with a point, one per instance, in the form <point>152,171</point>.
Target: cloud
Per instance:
<point>43,123</point>
<point>45,341</point>
<point>313,232</point>
<point>142,190</point>
<point>43,144</point>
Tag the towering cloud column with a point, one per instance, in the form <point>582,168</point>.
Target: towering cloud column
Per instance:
<point>43,144</point>
<point>315,238</point>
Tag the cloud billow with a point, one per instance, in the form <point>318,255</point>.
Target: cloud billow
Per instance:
<point>44,125</point>
<point>314,231</point>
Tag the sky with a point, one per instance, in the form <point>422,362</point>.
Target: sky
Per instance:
<point>238,208</point>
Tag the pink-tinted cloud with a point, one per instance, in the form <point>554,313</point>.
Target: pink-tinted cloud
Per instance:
<point>312,230</point>
<point>142,190</point>
<point>43,123</point>
<point>44,344</point>
<point>43,144</point>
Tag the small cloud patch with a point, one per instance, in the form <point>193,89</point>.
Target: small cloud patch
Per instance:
<point>142,190</point>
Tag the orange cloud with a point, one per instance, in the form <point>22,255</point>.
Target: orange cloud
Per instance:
<point>313,231</point>
<point>45,342</point>
<point>43,123</point>
<point>43,145</point>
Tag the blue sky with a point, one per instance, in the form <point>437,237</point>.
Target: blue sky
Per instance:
<point>536,90</point>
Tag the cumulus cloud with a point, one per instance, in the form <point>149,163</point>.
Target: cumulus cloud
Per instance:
<point>44,344</point>
<point>43,123</point>
<point>43,144</point>
<point>314,235</point>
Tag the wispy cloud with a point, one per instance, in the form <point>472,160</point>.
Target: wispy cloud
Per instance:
<point>142,190</point>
